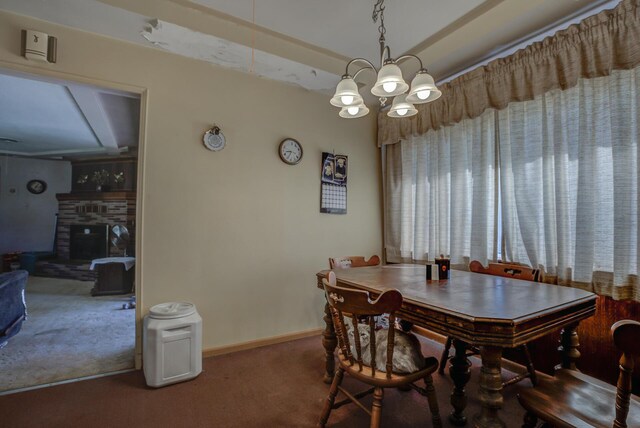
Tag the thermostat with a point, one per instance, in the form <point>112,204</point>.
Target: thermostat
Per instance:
<point>38,46</point>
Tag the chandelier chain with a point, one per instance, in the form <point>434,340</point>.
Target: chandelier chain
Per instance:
<point>378,11</point>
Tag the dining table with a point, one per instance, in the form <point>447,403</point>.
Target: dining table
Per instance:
<point>490,312</point>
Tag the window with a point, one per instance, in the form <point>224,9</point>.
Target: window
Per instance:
<point>550,182</point>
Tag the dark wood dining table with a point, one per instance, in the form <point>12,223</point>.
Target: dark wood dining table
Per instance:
<point>487,311</point>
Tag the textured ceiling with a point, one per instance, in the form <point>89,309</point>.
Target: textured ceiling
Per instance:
<point>347,27</point>
<point>307,43</point>
<point>56,119</point>
<point>300,42</point>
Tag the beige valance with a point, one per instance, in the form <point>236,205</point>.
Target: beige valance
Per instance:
<point>600,43</point>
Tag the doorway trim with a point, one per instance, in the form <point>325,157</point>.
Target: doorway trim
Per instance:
<point>11,68</point>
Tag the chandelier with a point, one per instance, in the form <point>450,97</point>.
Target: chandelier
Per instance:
<point>389,82</point>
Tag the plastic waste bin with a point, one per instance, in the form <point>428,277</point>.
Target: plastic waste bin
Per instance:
<point>172,343</point>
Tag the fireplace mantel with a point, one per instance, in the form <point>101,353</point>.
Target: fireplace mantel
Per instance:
<point>96,196</point>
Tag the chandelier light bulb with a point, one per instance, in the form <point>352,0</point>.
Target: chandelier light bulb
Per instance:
<point>346,93</point>
<point>347,99</point>
<point>423,89</point>
<point>390,82</point>
<point>423,95</point>
<point>389,86</point>
<point>401,107</point>
<point>354,111</point>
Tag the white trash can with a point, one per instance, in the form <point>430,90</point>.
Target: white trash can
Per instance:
<point>172,343</point>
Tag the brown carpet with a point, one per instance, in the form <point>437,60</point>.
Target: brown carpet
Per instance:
<point>273,386</point>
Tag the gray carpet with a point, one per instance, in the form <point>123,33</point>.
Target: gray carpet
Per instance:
<point>68,334</point>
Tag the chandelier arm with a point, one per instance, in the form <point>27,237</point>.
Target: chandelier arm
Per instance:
<point>403,57</point>
<point>363,69</point>
<point>369,64</point>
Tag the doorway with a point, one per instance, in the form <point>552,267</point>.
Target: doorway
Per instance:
<point>69,196</point>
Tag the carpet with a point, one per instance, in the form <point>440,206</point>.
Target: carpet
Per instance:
<point>273,386</point>
<point>68,334</point>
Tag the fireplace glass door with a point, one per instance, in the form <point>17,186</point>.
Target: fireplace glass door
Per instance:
<point>88,242</point>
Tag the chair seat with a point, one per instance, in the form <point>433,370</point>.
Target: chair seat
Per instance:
<point>573,399</point>
<point>380,378</point>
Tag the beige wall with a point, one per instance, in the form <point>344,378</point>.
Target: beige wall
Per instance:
<point>238,232</point>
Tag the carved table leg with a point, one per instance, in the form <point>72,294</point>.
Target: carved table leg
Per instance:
<point>569,347</point>
<point>460,372</point>
<point>329,342</point>
<point>490,389</point>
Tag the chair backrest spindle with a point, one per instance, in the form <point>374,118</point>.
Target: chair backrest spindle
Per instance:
<point>341,333</point>
<point>356,339</point>
<point>390,343</point>
<point>372,344</point>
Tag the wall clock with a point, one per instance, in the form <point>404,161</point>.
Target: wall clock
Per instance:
<point>214,139</point>
<point>36,186</point>
<point>290,151</point>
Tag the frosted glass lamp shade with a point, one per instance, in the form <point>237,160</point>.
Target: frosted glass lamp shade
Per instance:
<point>346,93</point>
<point>423,89</point>
<point>353,112</point>
<point>401,108</point>
<point>390,82</point>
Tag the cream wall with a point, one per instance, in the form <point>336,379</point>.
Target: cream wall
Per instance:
<point>238,232</point>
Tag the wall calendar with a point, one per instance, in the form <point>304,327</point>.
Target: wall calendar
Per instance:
<point>333,193</point>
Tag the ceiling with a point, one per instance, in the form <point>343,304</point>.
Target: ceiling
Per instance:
<point>305,43</point>
<point>347,27</point>
<point>308,43</point>
<point>40,118</point>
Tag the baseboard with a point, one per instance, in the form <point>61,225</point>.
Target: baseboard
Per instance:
<point>211,352</point>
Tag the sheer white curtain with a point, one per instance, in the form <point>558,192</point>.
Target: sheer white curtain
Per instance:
<point>441,193</point>
<point>569,183</point>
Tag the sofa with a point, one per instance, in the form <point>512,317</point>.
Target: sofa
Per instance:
<point>13,307</point>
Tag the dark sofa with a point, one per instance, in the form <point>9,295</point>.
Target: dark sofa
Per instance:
<point>13,307</point>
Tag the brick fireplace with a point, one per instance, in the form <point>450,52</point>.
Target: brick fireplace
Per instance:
<point>86,216</point>
<point>84,222</point>
<point>95,209</point>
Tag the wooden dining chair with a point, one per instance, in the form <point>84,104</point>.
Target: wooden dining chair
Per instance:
<point>373,363</point>
<point>352,261</point>
<point>508,270</point>
<point>573,399</point>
